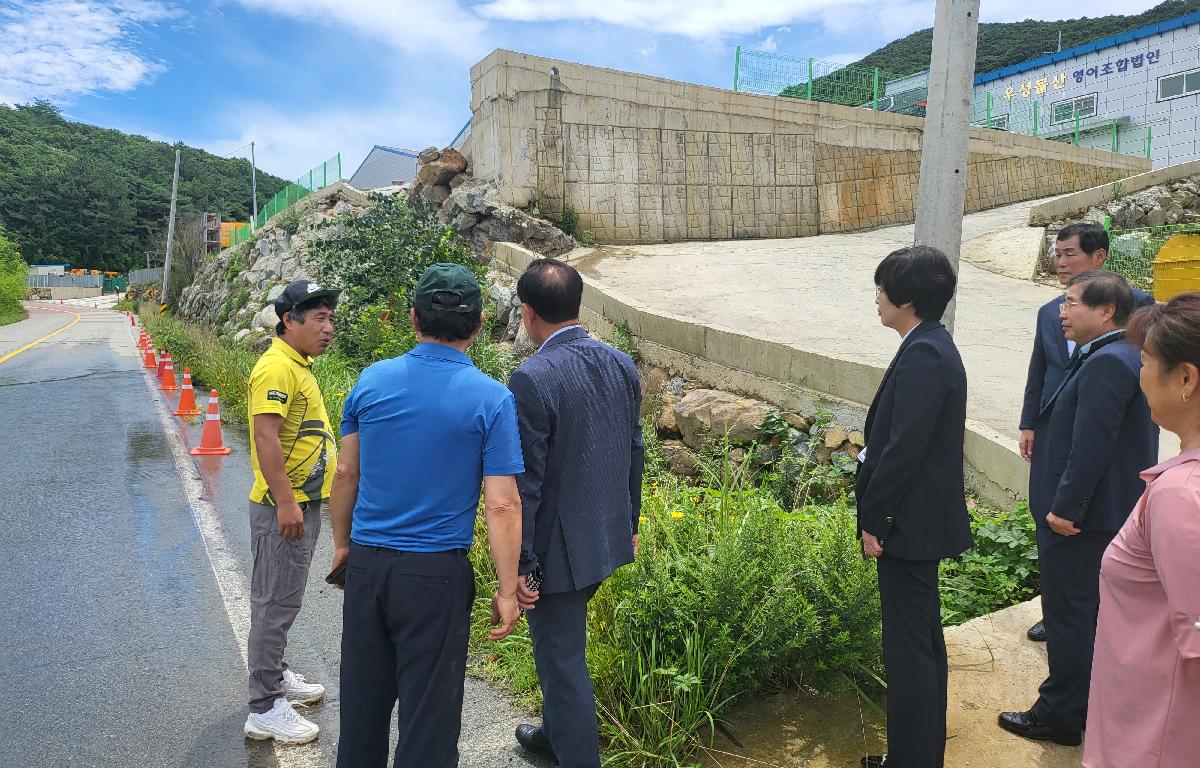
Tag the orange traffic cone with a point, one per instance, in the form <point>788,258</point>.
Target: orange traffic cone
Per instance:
<point>187,397</point>
<point>167,383</point>
<point>211,443</point>
<point>162,363</point>
<point>149,363</point>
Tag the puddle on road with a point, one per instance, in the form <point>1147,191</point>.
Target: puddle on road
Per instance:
<point>792,728</point>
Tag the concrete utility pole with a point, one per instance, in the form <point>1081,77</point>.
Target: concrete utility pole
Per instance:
<point>170,237</point>
<point>942,189</point>
<point>253,188</point>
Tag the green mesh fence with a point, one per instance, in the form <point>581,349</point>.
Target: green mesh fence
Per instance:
<point>318,177</point>
<point>1131,252</point>
<point>776,74</point>
<point>1018,109</point>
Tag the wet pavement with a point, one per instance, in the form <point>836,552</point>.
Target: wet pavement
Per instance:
<point>125,609</point>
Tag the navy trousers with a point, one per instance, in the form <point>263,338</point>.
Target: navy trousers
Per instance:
<point>405,621</point>
<point>558,627</point>
<point>1070,568</point>
<point>914,655</point>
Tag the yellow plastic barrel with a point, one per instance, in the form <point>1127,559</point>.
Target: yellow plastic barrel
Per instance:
<point>1177,267</point>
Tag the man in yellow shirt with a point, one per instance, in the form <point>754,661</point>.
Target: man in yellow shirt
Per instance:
<point>293,455</point>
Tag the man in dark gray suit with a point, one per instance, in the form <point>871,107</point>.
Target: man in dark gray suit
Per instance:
<point>1078,248</point>
<point>578,407</point>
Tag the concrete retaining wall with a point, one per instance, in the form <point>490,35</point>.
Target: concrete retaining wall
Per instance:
<point>643,159</point>
<point>778,373</point>
<point>1078,202</point>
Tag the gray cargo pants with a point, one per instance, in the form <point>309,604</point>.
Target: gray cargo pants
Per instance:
<point>276,590</point>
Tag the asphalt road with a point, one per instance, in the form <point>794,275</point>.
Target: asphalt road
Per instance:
<point>126,565</point>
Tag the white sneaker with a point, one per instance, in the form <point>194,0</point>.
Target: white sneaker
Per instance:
<point>300,691</point>
<point>281,723</point>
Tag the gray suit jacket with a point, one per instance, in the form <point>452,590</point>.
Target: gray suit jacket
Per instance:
<point>578,406</point>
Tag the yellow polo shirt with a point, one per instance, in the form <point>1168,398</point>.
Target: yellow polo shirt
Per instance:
<point>282,383</point>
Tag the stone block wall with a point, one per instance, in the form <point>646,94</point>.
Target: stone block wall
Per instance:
<point>648,160</point>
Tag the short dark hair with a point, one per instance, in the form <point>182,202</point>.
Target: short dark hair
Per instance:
<point>301,310</point>
<point>551,288</point>
<point>447,324</point>
<point>1104,288</point>
<point>920,274</point>
<point>1170,331</point>
<point>1092,237</point>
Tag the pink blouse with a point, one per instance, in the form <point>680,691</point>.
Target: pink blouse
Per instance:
<point>1144,708</point>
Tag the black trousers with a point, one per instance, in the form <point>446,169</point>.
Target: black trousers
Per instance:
<point>558,628</point>
<point>405,622</point>
<point>1070,568</point>
<point>914,655</point>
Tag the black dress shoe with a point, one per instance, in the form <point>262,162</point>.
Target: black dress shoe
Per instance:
<point>1026,725</point>
<point>873,761</point>
<point>534,740</point>
<point>1037,633</point>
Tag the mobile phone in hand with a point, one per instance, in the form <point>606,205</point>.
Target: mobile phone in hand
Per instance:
<point>338,576</point>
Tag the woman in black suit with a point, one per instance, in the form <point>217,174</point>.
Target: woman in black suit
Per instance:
<point>911,501</point>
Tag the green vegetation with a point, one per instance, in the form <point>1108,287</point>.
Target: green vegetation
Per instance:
<point>93,197</point>
<point>1001,45</point>
<point>569,223</point>
<point>13,271</point>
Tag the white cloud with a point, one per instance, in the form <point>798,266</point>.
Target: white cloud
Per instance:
<point>288,143</point>
<point>412,26</point>
<point>649,50</point>
<point>710,19</point>
<point>62,49</point>
<point>768,44</point>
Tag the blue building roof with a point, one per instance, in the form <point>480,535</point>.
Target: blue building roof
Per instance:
<point>384,166</point>
<point>1095,45</point>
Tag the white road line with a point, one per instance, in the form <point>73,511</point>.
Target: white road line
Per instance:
<point>231,579</point>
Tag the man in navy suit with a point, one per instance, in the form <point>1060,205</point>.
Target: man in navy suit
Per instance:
<point>578,407</point>
<point>1098,438</point>
<point>911,499</point>
<point>1078,248</point>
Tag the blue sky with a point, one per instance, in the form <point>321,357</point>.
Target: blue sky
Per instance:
<point>307,78</point>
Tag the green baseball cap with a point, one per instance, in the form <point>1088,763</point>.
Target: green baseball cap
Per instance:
<point>448,288</point>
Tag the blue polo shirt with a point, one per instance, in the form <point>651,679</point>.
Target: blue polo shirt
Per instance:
<point>430,426</point>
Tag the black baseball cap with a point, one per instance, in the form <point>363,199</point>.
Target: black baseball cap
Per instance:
<point>448,288</point>
<point>300,292</point>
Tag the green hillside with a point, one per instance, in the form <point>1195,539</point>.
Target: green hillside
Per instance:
<point>93,197</point>
<point>1003,44</point>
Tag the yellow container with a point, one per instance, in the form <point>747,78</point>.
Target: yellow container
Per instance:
<point>1177,267</point>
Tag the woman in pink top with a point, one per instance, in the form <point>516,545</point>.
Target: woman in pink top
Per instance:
<point>1144,707</point>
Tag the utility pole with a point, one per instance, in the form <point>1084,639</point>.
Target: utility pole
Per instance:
<point>170,238</point>
<point>253,189</point>
<point>942,188</point>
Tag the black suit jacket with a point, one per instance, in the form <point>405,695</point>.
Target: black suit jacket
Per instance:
<point>910,489</point>
<point>1099,438</point>
<point>578,406</point>
<point>1048,363</point>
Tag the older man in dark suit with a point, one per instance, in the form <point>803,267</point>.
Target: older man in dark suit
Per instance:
<point>1078,248</point>
<point>1099,437</point>
<point>578,407</point>
<point>912,508</point>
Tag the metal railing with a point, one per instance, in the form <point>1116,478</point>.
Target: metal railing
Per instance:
<point>1076,126</point>
<point>318,177</point>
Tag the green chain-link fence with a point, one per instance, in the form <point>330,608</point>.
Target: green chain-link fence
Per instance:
<point>318,177</point>
<point>1131,252</point>
<point>775,74</point>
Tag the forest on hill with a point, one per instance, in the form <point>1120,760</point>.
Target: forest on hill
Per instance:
<point>98,198</point>
<point>1011,43</point>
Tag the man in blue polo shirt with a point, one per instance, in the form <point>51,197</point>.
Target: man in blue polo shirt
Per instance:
<point>420,434</point>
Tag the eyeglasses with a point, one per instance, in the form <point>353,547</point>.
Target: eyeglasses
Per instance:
<point>1069,303</point>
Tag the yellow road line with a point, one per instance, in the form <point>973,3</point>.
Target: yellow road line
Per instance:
<point>35,342</point>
